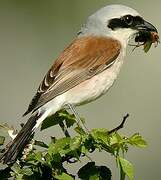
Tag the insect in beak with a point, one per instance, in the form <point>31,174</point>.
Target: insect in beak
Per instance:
<point>146,39</point>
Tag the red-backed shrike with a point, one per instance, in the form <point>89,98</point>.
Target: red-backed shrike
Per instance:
<point>85,70</point>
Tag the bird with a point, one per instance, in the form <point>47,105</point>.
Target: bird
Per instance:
<point>84,71</point>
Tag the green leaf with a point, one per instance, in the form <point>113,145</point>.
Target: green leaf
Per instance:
<point>41,144</point>
<point>87,144</point>
<point>100,135</point>
<point>51,121</point>
<point>75,143</point>
<point>2,139</point>
<point>19,177</point>
<point>115,139</point>
<point>147,46</point>
<point>64,176</point>
<point>38,156</point>
<point>80,130</point>
<point>94,177</point>
<point>127,168</point>
<point>57,118</point>
<point>16,168</point>
<point>69,118</point>
<point>27,171</point>
<point>56,157</point>
<point>48,160</point>
<point>137,140</point>
<point>69,122</point>
<point>92,172</point>
<point>61,146</point>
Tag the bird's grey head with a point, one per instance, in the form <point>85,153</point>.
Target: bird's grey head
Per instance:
<point>117,21</point>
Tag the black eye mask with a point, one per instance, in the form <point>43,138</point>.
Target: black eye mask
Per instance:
<point>127,21</point>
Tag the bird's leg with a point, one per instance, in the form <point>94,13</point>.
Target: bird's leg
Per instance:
<point>77,117</point>
<point>64,129</point>
<point>72,108</point>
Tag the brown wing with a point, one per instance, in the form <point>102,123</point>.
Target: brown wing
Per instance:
<point>81,60</point>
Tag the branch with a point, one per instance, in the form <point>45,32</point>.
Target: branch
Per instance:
<point>120,126</point>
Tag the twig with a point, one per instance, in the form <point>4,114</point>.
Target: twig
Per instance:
<point>120,126</point>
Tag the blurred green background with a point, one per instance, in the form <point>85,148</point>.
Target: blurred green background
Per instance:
<point>34,32</point>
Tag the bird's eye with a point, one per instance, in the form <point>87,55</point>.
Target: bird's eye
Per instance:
<point>128,19</point>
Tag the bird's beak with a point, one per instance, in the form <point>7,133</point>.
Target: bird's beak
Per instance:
<point>147,35</point>
<point>146,26</point>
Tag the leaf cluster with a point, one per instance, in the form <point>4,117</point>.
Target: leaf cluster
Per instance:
<point>49,160</point>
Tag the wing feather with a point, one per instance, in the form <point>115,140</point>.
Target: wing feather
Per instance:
<point>81,60</point>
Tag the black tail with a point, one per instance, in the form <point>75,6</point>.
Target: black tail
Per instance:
<point>20,141</point>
